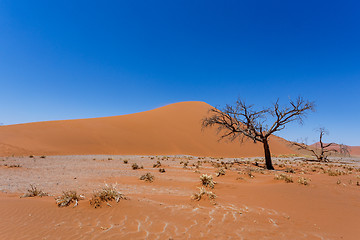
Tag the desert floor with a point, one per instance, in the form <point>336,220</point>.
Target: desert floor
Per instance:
<point>250,204</point>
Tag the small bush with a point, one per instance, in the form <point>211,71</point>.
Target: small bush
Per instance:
<point>202,192</point>
<point>126,161</point>
<point>148,177</point>
<point>162,170</point>
<point>304,181</point>
<point>135,166</point>
<point>43,156</point>
<point>67,198</point>
<point>286,178</point>
<point>14,166</point>
<point>34,192</point>
<point>157,164</point>
<point>106,194</point>
<point>289,170</point>
<point>335,172</point>
<point>31,156</point>
<point>220,172</point>
<point>207,181</point>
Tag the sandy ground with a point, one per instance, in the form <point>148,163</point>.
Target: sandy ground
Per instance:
<point>258,207</point>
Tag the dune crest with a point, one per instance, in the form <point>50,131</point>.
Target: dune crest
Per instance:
<point>172,129</point>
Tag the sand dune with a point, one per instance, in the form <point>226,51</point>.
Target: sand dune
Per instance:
<point>173,129</point>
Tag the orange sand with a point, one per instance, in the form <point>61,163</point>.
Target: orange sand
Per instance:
<point>247,208</point>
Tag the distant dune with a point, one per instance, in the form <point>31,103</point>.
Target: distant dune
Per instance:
<point>173,129</point>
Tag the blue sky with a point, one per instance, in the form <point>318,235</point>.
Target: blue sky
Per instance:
<point>80,59</point>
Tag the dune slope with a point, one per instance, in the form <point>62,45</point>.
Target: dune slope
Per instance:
<point>173,129</point>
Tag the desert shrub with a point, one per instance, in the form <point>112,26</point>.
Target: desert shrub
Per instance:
<point>67,198</point>
<point>304,181</point>
<point>43,156</point>
<point>31,156</point>
<point>220,172</point>
<point>110,159</point>
<point>335,172</point>
<point>162,170</point>
<point>106,194</point>
<point>289,170</point>
<point>207,181</point>
<point>148,177</point>
<point>286,178</point>
<point>34,191</point>
<point>157,164</point>
<point>338,182</point>
<point>135,166</point>
<point>203,192</point>
<point>126,161</point>
<point>14,166</point>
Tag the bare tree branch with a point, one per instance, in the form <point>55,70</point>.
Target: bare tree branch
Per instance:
<point>324,150</point>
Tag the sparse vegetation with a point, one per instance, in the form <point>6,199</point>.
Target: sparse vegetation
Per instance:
<point>135,166</point>
<point>13,166</point>
<point>162,170</point>
<point>126,161</point>
<point>304,181</point>
<point>203,192</point>
<point>34,192</point>
<point>67,198</point>
<point>220,172</point>
<point>157,164</point>
<point>207,181</point>
<point>148,177</point>
<point>42,156</point>
<point>335,172</point>
<point>106,194</point>
<point>289,170</point>
<point>286,178</point>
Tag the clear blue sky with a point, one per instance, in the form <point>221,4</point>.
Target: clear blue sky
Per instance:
<point>80,59</point>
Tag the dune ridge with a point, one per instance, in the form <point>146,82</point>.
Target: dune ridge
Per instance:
<point>169,130</point>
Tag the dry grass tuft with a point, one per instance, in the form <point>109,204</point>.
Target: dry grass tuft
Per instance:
<point>220,172</point>
<point>207,181</point>
<point>34,192</point>
<point>304,181</point>
<point>335,172</point>
<point>157,164</point>
<point>135,166</point>
<point>148,177</point>
<point>203,192</point>
<point>286,178</point>
<point>67,198</point>
<point>106,194</point>
<point>14,166</point>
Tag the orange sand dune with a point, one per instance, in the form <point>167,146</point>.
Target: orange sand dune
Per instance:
<point>173,129</point>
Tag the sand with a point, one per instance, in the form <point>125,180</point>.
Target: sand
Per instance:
<point>245,208</point>
<point>170,130</point>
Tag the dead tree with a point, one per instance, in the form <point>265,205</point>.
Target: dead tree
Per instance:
<point>244,122</point>
<point>323,150</point>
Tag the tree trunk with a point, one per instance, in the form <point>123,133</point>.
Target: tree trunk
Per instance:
<point>268,162</point>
